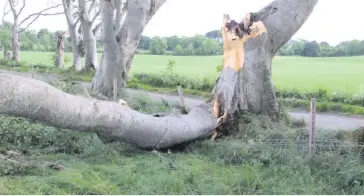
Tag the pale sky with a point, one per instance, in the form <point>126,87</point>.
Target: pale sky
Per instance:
<point>190,17</point>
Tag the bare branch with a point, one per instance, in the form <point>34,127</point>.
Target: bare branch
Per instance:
<point>34,19</point>
<point>21,9</point>
<point>5,12</point>
<point>41,13</point>
<point>96,15</point>
<point>92,5</point>
<point>12,7</point>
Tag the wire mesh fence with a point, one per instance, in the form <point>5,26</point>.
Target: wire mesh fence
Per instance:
<point>320,145</point>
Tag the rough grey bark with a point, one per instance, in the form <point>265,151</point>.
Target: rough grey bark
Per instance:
<point>37,100</point>
<point>59,58</point>
<point>282,18</point>
<point>123,41</point>
<point>85,8</point>
<point>72,24</point>
<point>15,40</point>
<point>253,90</point>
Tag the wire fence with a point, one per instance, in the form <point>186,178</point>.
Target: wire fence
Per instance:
<point>320,145</point>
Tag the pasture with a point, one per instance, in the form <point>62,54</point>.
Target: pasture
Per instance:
<point>335,74</point>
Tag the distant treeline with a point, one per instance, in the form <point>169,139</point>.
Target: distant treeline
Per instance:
<point>208,44</point>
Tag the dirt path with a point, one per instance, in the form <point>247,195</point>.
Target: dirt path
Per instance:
<point>324,121</point>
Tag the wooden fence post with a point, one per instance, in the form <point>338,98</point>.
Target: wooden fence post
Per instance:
<point>312,134</point>
<point>115,89</point>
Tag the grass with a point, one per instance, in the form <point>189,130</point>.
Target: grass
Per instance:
<point>331,73</point>
<point>249,162</point>
<point>294,78</point>
<point>245,163</point>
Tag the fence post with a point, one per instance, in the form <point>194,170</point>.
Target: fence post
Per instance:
<point>312,134</point>
<point>115,81</point>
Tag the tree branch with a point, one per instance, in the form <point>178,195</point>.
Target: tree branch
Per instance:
<point>91,6</point>
<point>97,14</point>
<point>5,12</point>
<point>97,28</point>
<point>40,13</point>
<point>154,7</point>
<point>37,100</point>
<point>12,7</point>
<point>21,9</point>
<point>283,18</point>
<point>34,19</point>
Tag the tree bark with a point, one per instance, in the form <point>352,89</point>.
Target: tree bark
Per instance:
<point>72,29</point>
<point>120,46</point>
<point>15,40</point>
<point>89,38</point>
<point>37,100</point>
<point>59,59</point>
<point>246,80</point>
<point>282,18</point>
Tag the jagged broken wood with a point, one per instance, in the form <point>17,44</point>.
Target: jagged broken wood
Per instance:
<point>37,100</point>
<point>226,90</point>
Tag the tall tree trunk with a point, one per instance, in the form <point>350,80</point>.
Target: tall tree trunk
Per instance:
<point>59,59</point>
<point>90,45</point>
<point>111,65</point>
<point>77,58</point>
<point>15,41</point>
<point>138,14</point>
<point>72,29</point>
<point>251,88</point>
<point>89,38</point>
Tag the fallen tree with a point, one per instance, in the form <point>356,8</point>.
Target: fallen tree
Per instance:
<point>37,100</point>
<point>245,83</point>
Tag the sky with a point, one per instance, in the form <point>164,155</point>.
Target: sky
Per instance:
<point>191,17</point>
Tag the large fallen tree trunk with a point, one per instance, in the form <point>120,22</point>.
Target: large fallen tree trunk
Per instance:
<point>37,100</point>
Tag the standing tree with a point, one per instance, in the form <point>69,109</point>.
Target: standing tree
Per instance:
<point>59,58</point>
<point>72,19</point>
<point>122,27</point>
<point>86,10</point>
<point>251,88</point>
<point>17,24</point>
<point>276,24</point>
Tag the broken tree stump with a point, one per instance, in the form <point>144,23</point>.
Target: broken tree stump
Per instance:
<point>226,93</point>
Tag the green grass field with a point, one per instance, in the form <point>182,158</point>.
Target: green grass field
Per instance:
<point>334,74</point>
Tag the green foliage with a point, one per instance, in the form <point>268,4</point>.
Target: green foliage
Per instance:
<point>158,46</point>
<point>323,49</point>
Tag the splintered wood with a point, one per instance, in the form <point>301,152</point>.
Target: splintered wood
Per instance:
<point>233,45</point>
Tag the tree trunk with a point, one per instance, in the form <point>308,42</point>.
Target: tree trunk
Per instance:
<point>37,100</point>
<point>110,66</point>
<point>251,88</point>
<point>59,59</point>
<point>72,29</point>
<point>118,53</point>
<point>77,58</point>
<point>90,45</point>
<point>88,35</point>
<point>15,41</point>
